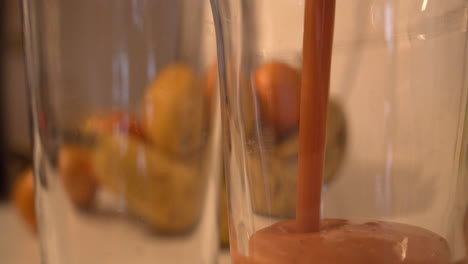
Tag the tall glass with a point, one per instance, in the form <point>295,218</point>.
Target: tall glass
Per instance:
<point>394,186</point>
<point>125,143</point>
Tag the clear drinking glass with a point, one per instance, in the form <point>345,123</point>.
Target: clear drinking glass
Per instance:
<point>395,130</point>
<point>126,149</point>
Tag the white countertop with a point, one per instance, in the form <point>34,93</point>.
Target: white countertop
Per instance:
<point>18,245</point>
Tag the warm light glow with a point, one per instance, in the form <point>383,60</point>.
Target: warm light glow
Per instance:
<point>424,5</point>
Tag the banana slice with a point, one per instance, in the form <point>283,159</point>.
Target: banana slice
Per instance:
<point>165,192</point>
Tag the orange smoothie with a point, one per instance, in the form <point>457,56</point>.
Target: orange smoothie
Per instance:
<point>343,242</point>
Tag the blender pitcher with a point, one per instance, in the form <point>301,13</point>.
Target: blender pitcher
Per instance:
<point>394,184</point>
<point>125,139</point>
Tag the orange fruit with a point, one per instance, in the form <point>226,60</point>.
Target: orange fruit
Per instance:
<point>77,175</point>
<point>120,122</point>
<point>23,198</point>
<point>278,87</point>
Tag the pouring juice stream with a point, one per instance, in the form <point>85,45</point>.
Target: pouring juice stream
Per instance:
<point>317,51</point>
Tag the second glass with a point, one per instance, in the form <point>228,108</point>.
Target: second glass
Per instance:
<point>394,184</point>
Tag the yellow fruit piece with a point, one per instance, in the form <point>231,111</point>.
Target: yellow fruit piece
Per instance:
<point>174,114</point>
<point>165,192</point>
<point>273,184</point>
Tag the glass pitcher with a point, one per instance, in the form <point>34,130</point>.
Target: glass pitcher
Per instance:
<point>395,146</point>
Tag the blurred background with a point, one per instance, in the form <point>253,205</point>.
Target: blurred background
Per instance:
<point>17,243</point>
<point>14,118</point>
